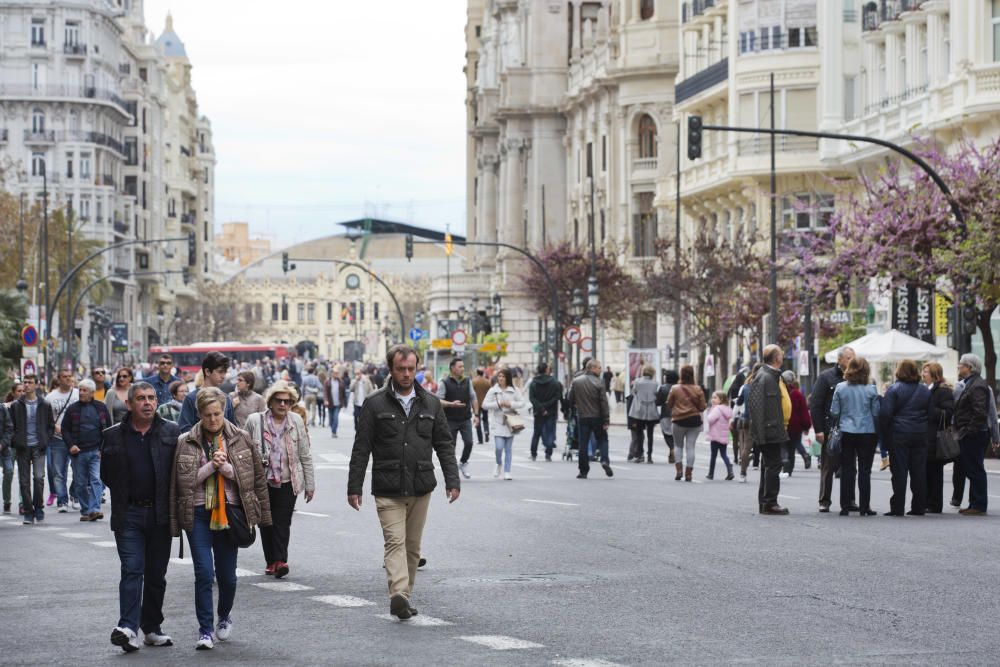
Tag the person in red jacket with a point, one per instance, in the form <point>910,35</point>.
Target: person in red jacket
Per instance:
<point>799,423</point>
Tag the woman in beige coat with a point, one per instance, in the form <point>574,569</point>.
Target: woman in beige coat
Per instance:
<point>216,467</point>
<point>283,442</point>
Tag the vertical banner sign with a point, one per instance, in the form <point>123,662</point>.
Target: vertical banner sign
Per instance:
<point>942,307</point>
<point>119,337</point>
<point>913,312</point>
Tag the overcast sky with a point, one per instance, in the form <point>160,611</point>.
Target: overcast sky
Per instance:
<point>329,110</point>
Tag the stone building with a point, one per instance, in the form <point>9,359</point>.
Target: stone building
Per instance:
<point>235,244</point>
<point>90,101</point>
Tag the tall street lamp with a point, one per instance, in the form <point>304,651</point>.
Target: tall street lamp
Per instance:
<point>577,308</point>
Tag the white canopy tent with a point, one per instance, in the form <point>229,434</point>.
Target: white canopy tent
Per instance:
<point>891,345</point>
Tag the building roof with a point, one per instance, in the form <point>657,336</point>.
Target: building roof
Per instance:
<point>376,226</point>
<point>169,44</point>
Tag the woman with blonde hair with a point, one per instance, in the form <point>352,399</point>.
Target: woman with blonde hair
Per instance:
<point>218,482</point>
<point>939,415</point>
<point>503,399</point>
<point>280,435</point>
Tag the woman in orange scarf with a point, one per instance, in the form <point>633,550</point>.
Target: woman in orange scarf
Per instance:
<point>217,473</point>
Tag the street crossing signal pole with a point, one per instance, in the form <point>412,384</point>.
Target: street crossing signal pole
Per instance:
<point>963,343</point>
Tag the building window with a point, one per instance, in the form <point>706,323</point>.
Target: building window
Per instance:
<point>850,104</point>
<point>258,311</point>
<point>38,32</point>
<point>644,326</point>
<point>69,165</point>
<point>248,312</point>
<point>84,165</point>
<point>604,153</point>
<point>995,21</point>
<point>345,312</point>
<point>301,314</point>
<point>72,33</point>
<point>644,227</point>
<point>37,121</point>
<point>361,311</point>
<point>375,311</point>
<point>37,164</point>
<point>85,208</point>
<point>311,312</point>
<point>806,212</point>
<point>647,136</point>
<point>284,310</point>
<point>646,9</point>
<point>274,312</point>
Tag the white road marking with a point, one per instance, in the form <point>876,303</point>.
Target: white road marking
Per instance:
<point>49,528</point>
<point>330,466</point>
<point>500,642</point>
<point>419,620</point>
<point>109,545</point>
<point>6,518</point>
<point>240,572</point>
<point>76,535</point>
<point>342,601</point>
<point>323,516</point>
<point>182,561</point>
<point>550,502</point>
<point>335,458</point>
<point>992,496</point>
<point>283,586</point>
<point>785,495</point>
<point>584,662</point>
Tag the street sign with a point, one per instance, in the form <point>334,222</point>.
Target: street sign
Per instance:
<point>840,317</point>
<point>441,343</point>
<point>29,336</point>
<point>493,348</point>
<point>29,352</point>
<point>119,337</point>
<point>587,345</point>
<point>416,334</point>
<point>28,367</point>
<point>804,362</point>
<point>459,337</point>
<point>572,335</point>
<point>709,366</point>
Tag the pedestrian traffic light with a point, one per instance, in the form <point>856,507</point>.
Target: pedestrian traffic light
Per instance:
<point>192,249</point>
<point>969,319</point>
<point>284,262</point>
<point>694,137</point>
<point>409,247</point>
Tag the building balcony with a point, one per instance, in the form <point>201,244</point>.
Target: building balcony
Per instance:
<point>40,137</point>
<point>58,91</point>
<point>108,180</point>
<point>121,228</point>
<point>187,219</point>
<point>702,81</point>
<point>761,145</point>
<point>92,138</point>
<point>876,13</point>
<point>644,164</point>
<point>75,50</point>
<point>689,10</point>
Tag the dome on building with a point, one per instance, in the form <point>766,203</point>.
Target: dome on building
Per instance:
<point>168,43</point>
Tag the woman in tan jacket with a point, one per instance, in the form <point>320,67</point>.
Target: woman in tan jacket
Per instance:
<point>215,467</point>
<point>686,401</point>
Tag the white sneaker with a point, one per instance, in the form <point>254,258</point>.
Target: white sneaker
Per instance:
<point>74,505</point>
<point>125,638</point>
<point>496,473</point>
<point>743,479</point>
<point>205,642</point>
<point>507,476</point>
<point>156,639</point>
<point>464,467</point>
<point>224,628</point>
<point>782,475</point>
<point>63,509</point>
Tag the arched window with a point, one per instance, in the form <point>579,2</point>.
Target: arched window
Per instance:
<point>646,9</point>
<point>37,121</point>
<point>647,137</point>
<point>37,164</point>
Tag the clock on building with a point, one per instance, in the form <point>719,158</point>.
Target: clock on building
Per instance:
<point>353,282</point>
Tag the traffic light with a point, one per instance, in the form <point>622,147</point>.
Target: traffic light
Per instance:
<point>409,247</point>
<point>969,319</point>
<point>694,137</point>
<point>192,249</point>
<point>284,262</point>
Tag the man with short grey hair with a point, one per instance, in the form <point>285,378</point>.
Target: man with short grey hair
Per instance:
<point>587,395</point>
<point>972,414</point>
<point>819,409</point>
<point>83,427</point>
<point>770,408</point>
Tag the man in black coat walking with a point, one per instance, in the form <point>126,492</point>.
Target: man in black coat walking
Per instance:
<point>820,401</point>
<point>34,427</point>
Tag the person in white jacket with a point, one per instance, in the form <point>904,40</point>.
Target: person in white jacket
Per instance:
<point>503,399</point>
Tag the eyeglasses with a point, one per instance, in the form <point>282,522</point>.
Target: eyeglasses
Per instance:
<point>124,377</point>
<point>282,401</point>
<point>98,372</point>
<point>166,363</point>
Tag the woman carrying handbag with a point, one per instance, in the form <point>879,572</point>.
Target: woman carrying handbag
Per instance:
<point>854,411</point>
<point>218,494</point>
<point>939,416</point>
<point>503,401</point>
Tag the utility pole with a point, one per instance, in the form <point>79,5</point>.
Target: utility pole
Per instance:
<point>677,254</point>
<point>45,264</point>
<point>773,286</point>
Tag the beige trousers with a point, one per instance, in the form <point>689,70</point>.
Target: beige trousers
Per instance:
<point>402,522</point>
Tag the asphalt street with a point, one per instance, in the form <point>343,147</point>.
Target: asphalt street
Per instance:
<point>546,569</point>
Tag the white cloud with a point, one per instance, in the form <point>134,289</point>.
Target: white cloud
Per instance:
<point>326,105</point>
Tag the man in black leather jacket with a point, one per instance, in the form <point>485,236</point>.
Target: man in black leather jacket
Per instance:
<point>399,427</point>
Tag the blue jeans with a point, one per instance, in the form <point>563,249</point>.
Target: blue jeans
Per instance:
<point>545,428</point>
<point>334,418</point>
<point>208,546</point>
<point>58,462</point>
<point>87,480</point>
<point>144,550</point>
<point>972,449</point>
<point>504,445</point>
<point>7,460</point>
<point>592,427</point>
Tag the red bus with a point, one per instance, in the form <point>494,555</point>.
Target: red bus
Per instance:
<point>189,357</point>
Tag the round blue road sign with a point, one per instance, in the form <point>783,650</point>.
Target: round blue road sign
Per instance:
<point>416,334</point>
<point>29,336</point>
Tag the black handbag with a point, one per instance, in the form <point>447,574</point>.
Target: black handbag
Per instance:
<point>947,445</point>
<point>240,532</point>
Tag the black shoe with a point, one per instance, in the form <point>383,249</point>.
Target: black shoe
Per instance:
<point>844,512</point>
<point>6,508</point>
<point>709,476</point>
<point>891,513</point>
<point>548,457</point>
<point>914,513</point>
<point>808,462</point>
<point>399,607</point>
<point>868,512</point>
<point>649,459</point>
<point>776,510</point>
<point>413,611</point>
<point>534,456</point>
<point>824,508</point>
<point>853,508</point>
<point>421,562</point>
<point>730,476</point>
<point>582,475</point>
<point>607,470</point>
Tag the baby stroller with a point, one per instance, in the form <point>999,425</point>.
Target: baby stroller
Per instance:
<point>572,443</point>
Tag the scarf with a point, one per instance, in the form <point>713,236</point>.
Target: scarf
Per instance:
<point>275,443</point>
<point>215,489</point>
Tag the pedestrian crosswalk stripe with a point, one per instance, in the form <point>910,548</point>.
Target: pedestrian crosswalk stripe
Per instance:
<point>323,516</point>
<point>283,586</point>
<point>420,621</point>
<point>182,561</point>
<point>584,662</point>
<point>49,528</point>
<point>240,572</point>
<point>550,502</point>
<point>343,601</point>
<point>109,545</point>
<point>500,642</point>
<point>6,518</point>
<point>76,535</point>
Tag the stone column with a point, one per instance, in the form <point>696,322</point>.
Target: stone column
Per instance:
<point>486,224</point>
<point>514,211</point>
